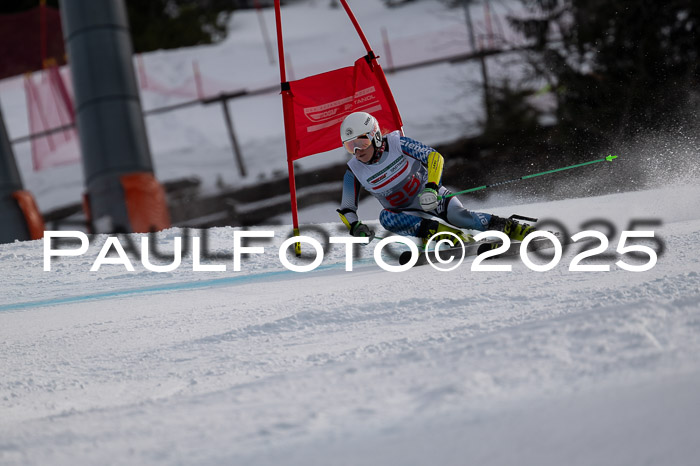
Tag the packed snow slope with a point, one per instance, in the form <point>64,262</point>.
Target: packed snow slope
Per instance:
<point>266,366</point>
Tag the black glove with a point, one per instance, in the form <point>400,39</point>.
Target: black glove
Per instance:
<point>359,229</point>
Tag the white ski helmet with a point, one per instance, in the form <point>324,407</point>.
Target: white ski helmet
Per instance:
<point>355,126</point>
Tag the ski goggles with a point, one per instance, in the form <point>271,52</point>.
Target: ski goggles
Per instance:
<point>361,143</point>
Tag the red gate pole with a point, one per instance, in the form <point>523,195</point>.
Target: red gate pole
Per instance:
<point>364,40</point>
<point>371,59</point>
<point>289,126</point>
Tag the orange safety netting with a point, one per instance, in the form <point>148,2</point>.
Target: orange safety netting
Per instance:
<point>196,86</point>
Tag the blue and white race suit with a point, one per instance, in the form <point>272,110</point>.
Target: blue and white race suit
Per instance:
<point>396,179</point>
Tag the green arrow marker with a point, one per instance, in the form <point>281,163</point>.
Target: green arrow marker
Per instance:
<point>610,158</point>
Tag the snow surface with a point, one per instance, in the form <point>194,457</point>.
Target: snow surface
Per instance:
<point>269,366</point>
<point>266,366</point>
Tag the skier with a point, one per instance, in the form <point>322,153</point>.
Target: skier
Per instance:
<point>404,175</point>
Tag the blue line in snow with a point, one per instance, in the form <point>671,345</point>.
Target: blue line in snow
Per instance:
<point>160,288</point>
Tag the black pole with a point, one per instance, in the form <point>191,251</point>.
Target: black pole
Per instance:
<point>482,61</point>
<point>232,136</point>
<point>108,114</point>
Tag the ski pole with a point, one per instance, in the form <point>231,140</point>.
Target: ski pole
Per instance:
<point>609,158</point>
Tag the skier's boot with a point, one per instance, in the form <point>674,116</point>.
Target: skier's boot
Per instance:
<point>511,227</point>
<point>428,228</point>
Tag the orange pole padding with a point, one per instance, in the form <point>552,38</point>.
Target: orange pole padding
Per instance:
<point>28,206</point>
<point>145,202</point>
<point>88,212</point>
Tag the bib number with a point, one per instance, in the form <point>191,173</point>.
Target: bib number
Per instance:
<point>403,195</point>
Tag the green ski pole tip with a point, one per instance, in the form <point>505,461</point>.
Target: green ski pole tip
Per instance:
<point>610,158</point>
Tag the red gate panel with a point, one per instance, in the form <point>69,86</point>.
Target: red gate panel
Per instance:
<point>322,101</point>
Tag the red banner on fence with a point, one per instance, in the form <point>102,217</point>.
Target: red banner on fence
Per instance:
<point>50,106</point>
<point>321,102</point>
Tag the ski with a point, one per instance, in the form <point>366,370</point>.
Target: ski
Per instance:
<point>475,249</point>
